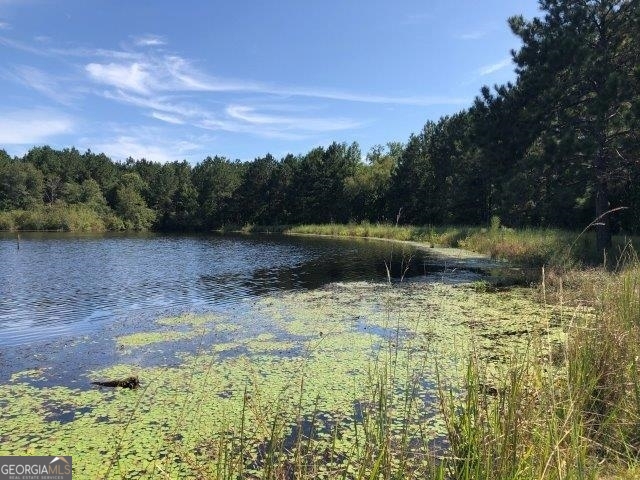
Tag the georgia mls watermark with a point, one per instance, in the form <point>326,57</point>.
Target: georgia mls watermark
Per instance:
<point>35,468</point>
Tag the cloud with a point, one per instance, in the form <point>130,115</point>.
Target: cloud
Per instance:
<point>161,103</point>
<point>172,73</point>
<point>43,83</point>
<point>133,77</point>
<point>167,118</point>
<point>495,67</point>
<point>149,143</point>
<point>152,72</point>
<point>268,121</point>
<point>123,147</point>
<point>29,127</point>
<point>174,90</point>
<point>418,101</point>
<point>8,42</point>
<point>252,117</point>
<point>149,41</point>
<point>4,25</point>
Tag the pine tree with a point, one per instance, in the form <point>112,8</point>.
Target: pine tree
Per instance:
<point>579,65</point>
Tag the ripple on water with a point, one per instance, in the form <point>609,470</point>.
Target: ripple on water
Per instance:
<point>64,284</point>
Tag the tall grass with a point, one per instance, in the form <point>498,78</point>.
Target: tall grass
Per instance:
<point>579,419</point>
<point>528,246</point>
<point>576,416</point>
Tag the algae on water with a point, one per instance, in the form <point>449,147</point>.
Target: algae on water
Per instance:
<point>313,356</point>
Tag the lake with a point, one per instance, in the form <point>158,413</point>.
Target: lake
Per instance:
<point>223,329</point>
<point>62,284</point>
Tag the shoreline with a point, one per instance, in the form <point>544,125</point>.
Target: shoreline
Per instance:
<point>457,254</point>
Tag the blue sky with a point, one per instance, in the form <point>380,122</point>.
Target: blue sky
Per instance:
<point>170,80</point>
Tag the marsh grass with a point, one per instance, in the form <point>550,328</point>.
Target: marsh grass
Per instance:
<point>578,420</point>
<point>529,246</point>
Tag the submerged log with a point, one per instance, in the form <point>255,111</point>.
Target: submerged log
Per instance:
<point>129,382</point>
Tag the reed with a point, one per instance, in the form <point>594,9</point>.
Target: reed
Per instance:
<point>573,417</point>
<point>528,246</point>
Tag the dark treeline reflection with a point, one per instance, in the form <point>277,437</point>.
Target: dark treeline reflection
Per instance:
<point>60,283</point>
<point>559,147</point>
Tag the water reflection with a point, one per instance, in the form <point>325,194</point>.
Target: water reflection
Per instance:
<point>61,284</point>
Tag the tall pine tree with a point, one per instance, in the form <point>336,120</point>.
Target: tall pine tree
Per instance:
<point>579,64</point>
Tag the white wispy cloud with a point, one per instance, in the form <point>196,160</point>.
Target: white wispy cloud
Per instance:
<point>494,67</point>
<point>17,45</point>
<point>94,53</point>
<point>143,142</point>
<point>175,91</point>
<point>4,25</point>
<point>267,121</point>
<point>155,74</point>
<point>418,101</point>
<point>167,118</point>
<point>251,116</point>
<point>43,83</point>
<point>149,40</point>
<point>123,147</point>
<point>29,127</point>
<point>162,103</point>
<point>132,77</point>
<point>151,72</point>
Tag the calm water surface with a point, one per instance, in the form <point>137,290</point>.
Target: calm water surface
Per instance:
<point>58,285</point>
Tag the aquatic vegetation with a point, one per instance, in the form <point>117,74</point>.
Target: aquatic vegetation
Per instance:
<point>145,338</point>
<point>183,327</point>
<point>331,362</point>
<point>193,320</point>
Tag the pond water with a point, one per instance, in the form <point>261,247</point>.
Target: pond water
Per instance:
<point>227,333</point>
<point>54,285</point>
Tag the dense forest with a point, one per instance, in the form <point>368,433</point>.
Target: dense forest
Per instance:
<point>558,147</point>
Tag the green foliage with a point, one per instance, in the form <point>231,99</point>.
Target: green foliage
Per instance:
<point>21,186</point>
<point>58,217</point>
<point>555,149</point>
<point>6,221</point>
<point>216,180</point>
<point>129,204</point>
<point>573,414</point>
<point>581,61</point>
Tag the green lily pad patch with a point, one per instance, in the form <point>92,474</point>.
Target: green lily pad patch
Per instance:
<point>329,361</point>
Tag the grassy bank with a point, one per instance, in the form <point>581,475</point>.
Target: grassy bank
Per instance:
<point>572,414</point>
<point>60,218</point>
<point>529,246</point>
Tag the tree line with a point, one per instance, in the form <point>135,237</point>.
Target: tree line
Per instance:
<point>557,147</point>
